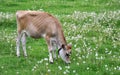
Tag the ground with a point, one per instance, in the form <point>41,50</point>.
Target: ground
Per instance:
<point>91,26</point>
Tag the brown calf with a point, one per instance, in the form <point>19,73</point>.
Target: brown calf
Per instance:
<point>38,24</point>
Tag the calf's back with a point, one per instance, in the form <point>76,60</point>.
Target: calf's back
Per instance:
<point>37,24</point>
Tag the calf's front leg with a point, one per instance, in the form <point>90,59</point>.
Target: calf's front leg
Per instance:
<point>49,48</point>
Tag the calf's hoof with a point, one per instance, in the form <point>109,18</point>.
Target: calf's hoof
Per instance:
<point>18,56</point>
<point>51,62</point>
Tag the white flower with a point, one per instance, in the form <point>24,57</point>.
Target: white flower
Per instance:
<point>84,62</point>
<point>64,72</point>
<point>46,64</point>
<point>79,57</point>
<point>17,73</point>
<point>49,70</point>
<point>75,45</point>
<point>68,67</point>
<point>88,68</point>
<point>46,59</point>
<point>105,65</point>
<point>101,57</point>
<point>96,54</point>
<point>2,67</point>
<point>78,64</point>
<point>106,68</point>
<point>60,68</point>
<point>74,71</point>
<point>110,52</point>
<point>115,68</point>
<point>33,69</point>
<point>39,62</point>
<point>67,71</point>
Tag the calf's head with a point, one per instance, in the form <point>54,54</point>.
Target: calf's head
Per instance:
<point>65,52</point>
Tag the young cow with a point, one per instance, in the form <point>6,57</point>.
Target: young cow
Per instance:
<point>41,24</point>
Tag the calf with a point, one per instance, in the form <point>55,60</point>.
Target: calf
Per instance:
<point>38,24</point>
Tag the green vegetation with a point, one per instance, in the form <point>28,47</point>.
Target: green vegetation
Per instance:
<point>91,26</point>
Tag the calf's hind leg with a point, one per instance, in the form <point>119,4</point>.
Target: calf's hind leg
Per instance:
<point>18,44</point>
<point>23,40</point>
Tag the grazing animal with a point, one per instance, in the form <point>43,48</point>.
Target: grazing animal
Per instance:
<point>38,24</point>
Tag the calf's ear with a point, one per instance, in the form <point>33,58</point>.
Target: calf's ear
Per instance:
<point>69,46</point>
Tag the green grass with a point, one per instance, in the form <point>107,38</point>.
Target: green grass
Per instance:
<point>91,26</point>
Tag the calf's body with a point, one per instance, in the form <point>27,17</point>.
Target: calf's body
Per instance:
<point>38,24</point>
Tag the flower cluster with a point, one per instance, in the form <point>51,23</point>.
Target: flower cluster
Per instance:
<point>95,39</point>
<point>95,36</point>
<point>6,16</point>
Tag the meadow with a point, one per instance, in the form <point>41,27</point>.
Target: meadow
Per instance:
<point>91,26</point>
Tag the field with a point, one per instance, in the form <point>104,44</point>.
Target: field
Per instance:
<point>91,26</point>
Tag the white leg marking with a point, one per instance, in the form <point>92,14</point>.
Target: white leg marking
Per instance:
<point>23,40</point>
<point>54,46</point>
<point>49,48</point>
<point>50,54</point>
<point>18,45</point>
<point>54,54</point>
<point>50,57</point>
<point>54,51</point>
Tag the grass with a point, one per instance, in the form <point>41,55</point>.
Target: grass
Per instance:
<point>91,26</point>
